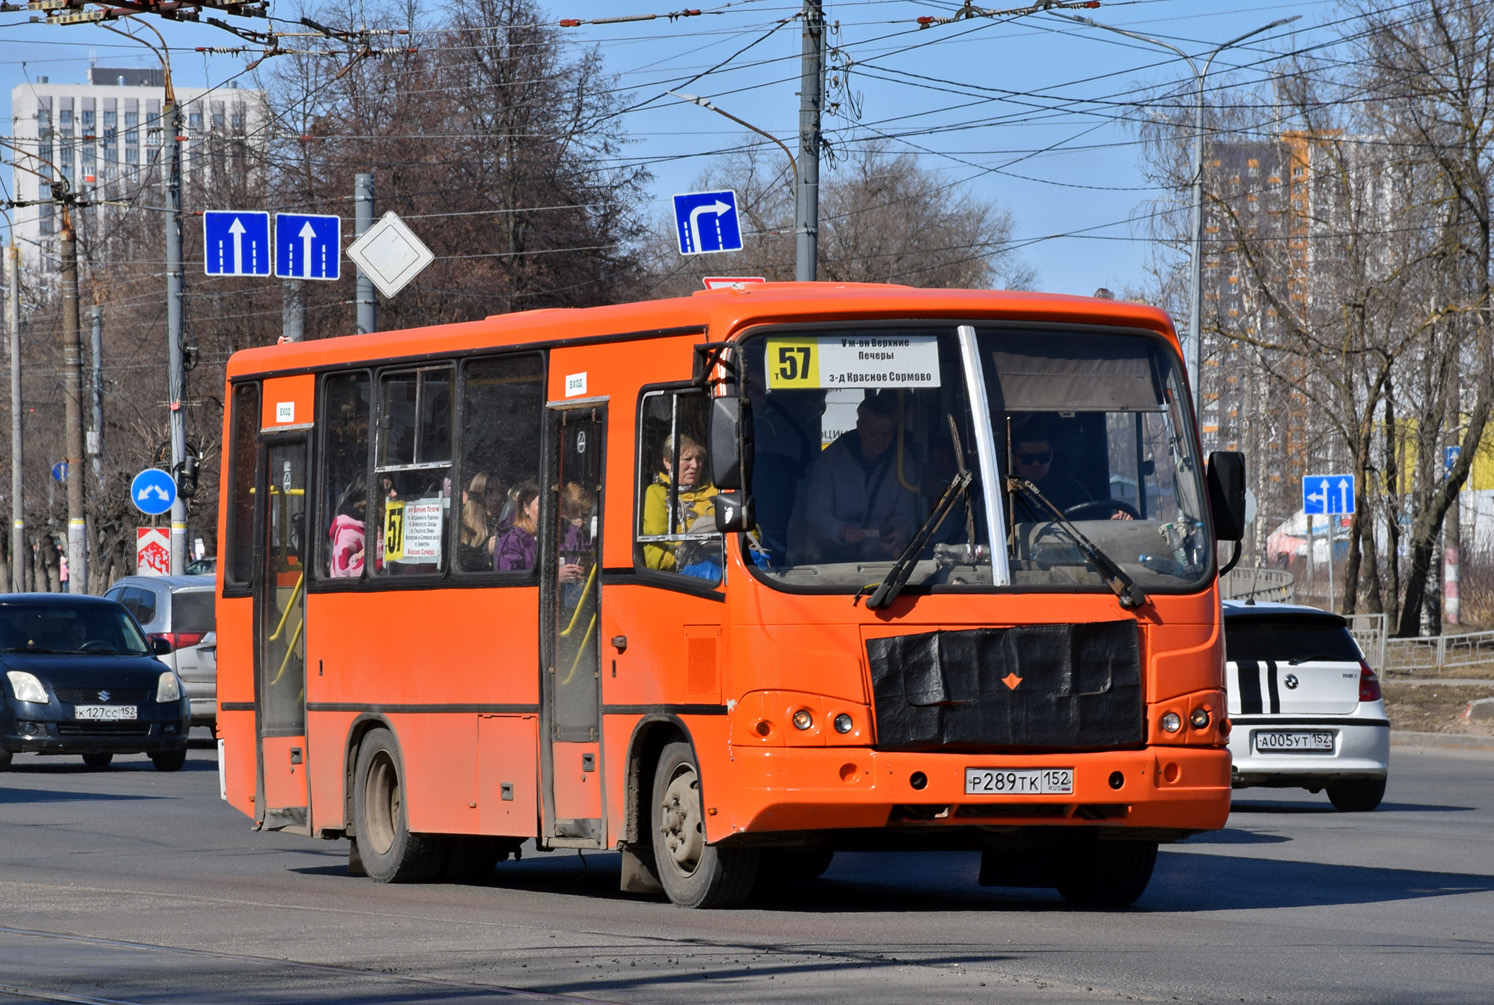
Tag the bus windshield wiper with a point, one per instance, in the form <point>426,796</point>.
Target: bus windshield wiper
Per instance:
<point>1122,585</point>
<point>885,592</point>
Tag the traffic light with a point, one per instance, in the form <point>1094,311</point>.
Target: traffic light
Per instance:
<point>186,480</point>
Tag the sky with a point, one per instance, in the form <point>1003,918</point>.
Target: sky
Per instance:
<point>1033,112</point>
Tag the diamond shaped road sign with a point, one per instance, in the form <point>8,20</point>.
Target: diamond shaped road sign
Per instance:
<point>390,254</point>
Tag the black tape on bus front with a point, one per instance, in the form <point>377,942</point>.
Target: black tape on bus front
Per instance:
<point>1058,687</point>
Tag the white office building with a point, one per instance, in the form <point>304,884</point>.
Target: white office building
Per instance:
<point>106,138</point>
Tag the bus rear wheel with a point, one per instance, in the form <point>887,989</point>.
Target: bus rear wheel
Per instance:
<point>692,872</point>
<point>390,853</point>
<point>1103,873</point>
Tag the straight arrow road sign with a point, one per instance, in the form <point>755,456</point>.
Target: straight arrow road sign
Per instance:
<point>1328,495</point>
<point>236,243</point>
<point>307,247</point>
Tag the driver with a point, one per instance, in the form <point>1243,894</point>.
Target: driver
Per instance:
<point>1033,458</point>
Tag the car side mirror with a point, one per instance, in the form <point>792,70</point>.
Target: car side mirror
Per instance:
<point>160,646</point>
<point>1226,477</point>
<point>731,443</point>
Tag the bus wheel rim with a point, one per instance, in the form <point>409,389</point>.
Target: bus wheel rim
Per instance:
<point>680,822</point>
<point>383,800</point>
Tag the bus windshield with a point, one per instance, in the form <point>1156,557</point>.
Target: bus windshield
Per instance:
<point>902,447</point>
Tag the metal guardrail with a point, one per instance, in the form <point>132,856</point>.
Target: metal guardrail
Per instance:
<point>1246,582</point>
<point>1369,631</point>
<point>1438,652</point>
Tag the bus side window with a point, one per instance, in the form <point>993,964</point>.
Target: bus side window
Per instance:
<point>411,491</point>
<point>243,460</point>
<point>502,402</point>
<point>342,482</point>
<point>676,514</point>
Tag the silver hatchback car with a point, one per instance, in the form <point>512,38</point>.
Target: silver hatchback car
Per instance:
<point>180,610</point>
<point>1304,704</point>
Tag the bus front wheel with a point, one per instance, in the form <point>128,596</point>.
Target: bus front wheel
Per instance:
<point>1103,873</point>
<point>692,872</point>
<point>390,853</point>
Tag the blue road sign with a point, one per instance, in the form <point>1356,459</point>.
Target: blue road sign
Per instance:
<point>1328,494</point>
<point>236,243</point>
<point>153,491</point>
<point>707,222</point>
<point>59,471</point>
<point>307,247</point>
<point>1450,457</point>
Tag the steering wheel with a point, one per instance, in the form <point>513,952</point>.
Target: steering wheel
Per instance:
<point>1101,507</point>
<point>93,646</point>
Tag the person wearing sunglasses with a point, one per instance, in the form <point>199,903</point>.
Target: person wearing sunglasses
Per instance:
<point>1033,459</point>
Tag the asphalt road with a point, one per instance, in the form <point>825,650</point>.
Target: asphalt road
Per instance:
<point>130,885</point>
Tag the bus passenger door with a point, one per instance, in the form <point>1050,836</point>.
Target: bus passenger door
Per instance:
<point>281,796</point>
<point>570,590</point>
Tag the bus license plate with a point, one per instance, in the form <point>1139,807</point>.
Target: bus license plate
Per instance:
<point>104,713</point>
<point>1286,742</point>
<point>1019,782</point>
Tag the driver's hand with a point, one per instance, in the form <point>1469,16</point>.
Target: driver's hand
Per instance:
<point>1121,514</point>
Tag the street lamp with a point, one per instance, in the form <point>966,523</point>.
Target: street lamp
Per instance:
<point>1195,278</point>
<point>800,265</point>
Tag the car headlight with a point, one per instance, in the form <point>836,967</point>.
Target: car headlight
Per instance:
<point>168,688</point>
<point>27,687</point>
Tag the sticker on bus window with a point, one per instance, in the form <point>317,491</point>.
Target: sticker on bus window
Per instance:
<point>826,361</point>
<point>394,531</point>
<point>423,531</point>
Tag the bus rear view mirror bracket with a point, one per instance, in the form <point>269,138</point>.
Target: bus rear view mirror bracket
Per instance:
<point>731,443</point>
<point>1226,476</point>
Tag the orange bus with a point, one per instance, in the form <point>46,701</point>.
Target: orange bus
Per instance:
<point>728,583</point>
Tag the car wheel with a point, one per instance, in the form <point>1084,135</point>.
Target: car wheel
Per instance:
<point>1103,873</point>
<point>98,760</point>
<point>169,760</point>
<point>390,853</point>
<point>692,872</point>
<point>1356,795</point>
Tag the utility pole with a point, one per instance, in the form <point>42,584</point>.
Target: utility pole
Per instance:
<point>811,104</point>
<point>17,486</point>
<point>176,378</point>
<point>72,365</point>
<point>293,310</point>
<point>96,434</point>
<point>363,218</point>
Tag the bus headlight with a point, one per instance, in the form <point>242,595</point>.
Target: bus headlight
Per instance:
<point>1199,718</point>
<point>843,723</point>
<point>1171,722</point>
<point>802,719</point>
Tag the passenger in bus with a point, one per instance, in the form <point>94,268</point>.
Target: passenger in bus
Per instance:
<point>694,511</point>
<point>858,507</point>
<point>477,538</point>
<point>576,504</point>
<point>348,532</point>
<point>517,548</point>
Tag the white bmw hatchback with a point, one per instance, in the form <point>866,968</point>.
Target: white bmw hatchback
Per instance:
<point>1304,704</point>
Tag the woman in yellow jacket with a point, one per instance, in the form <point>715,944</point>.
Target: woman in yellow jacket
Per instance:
<point>695,510</point>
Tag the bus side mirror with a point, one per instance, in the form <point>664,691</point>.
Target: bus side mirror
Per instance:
<point>733,512</point>
<point>731,443</point>
<point>1226,477</point>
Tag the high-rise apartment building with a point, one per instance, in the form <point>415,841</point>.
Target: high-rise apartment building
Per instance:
<point>106,137</point>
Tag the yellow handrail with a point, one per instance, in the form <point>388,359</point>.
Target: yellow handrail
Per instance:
<point>290,606</point>
<point>580,650</point>
<point>296,637</point>
<point>584,593</point>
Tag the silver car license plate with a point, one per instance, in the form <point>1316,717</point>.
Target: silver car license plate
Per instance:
<point>1291,741</point>
<point>104,713</point>
<point>1019,781</point>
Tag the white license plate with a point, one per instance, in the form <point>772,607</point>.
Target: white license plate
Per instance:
<point>1019,781</point>
<point>1286,742</point>
<point>104,713</point>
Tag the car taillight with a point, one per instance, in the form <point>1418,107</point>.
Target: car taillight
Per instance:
<point>1369,684</point>
<point>181,640</point>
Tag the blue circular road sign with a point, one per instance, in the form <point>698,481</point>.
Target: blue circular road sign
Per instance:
<point>153,491</point>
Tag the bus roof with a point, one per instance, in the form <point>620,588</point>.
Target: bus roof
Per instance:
<point>721,312</point>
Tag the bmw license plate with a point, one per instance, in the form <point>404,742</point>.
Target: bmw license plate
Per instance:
<point>1291,741</point>
<point>1019,782</point>
<point>104,713</point>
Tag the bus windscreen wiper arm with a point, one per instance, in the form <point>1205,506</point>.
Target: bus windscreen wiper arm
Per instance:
<point>897,577</point>
<point>1122,585</point>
